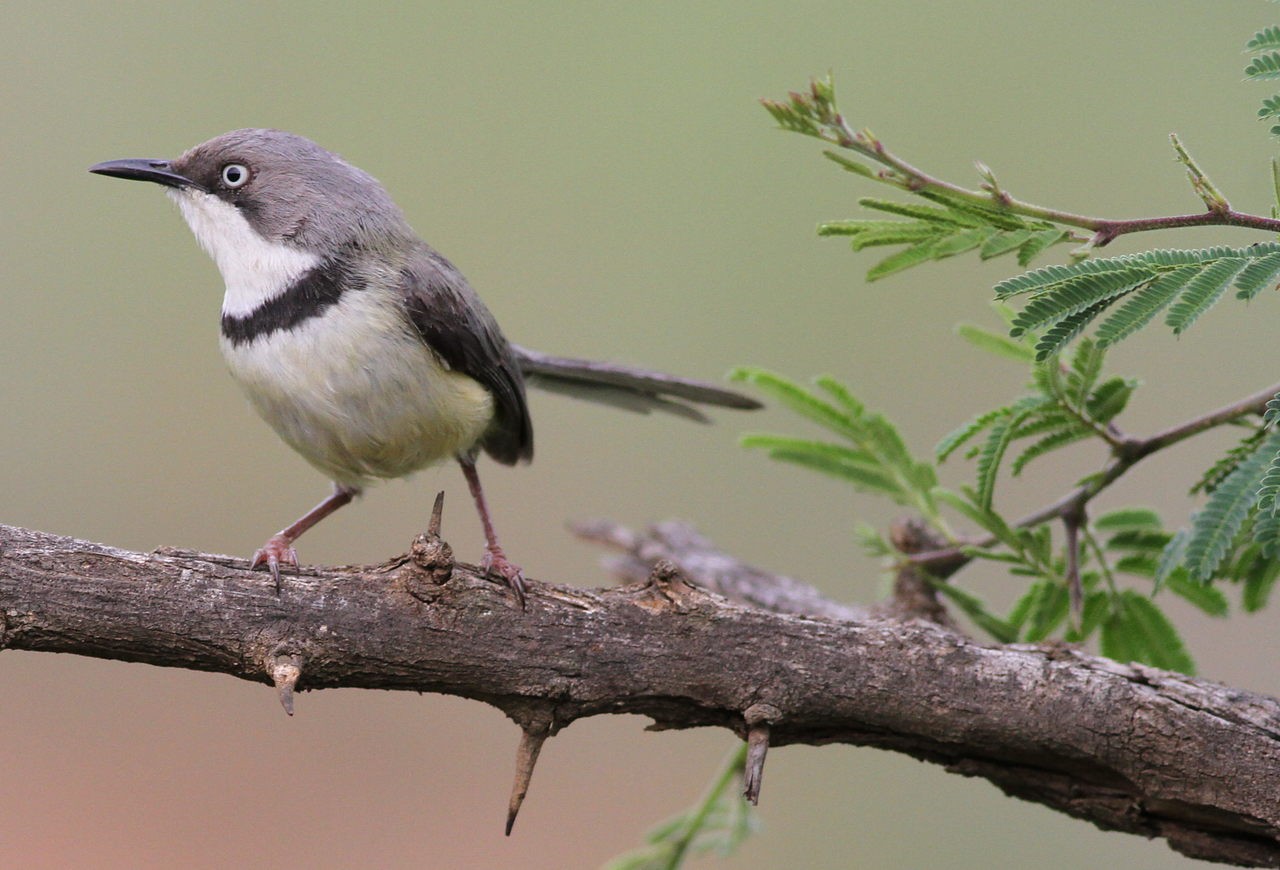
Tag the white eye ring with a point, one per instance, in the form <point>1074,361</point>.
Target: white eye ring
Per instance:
<point>235,175</point>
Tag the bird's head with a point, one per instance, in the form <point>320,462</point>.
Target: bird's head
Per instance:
<point>255,198</point>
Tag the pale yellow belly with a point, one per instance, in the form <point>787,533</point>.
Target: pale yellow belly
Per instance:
<point>358,396</point>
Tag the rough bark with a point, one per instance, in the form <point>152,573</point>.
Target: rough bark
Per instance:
<point>1127,747</point>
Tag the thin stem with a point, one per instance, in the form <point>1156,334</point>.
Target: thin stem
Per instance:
<point>1092,541</point>
<point>1072,522</point>
<point>1254,404</point>
<point>903,175</point>
<point>731,769</point>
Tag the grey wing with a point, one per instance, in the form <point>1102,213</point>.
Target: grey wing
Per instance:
<point>454,323</point>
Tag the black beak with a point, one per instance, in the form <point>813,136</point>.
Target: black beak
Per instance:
<point>142,169</point>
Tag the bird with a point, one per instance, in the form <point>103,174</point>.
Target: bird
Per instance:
<point>364,348</point>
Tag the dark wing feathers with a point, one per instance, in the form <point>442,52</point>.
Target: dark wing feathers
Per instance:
<point>625,386</point>
<point>455,324</point>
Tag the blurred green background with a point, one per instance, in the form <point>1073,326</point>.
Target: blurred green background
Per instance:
<point>605,177</point>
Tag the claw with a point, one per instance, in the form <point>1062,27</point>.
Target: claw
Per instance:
<point>274,553</point>
<point>496,562</point>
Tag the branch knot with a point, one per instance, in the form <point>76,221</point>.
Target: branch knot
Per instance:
<point>284,666</point>
<point>432,555</point>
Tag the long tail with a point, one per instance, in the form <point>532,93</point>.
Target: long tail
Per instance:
<point>625,387</point>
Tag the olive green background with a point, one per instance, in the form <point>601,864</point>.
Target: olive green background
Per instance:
<point>605,177</point>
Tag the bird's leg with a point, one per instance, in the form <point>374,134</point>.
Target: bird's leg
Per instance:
<point>278,550</point>
<point>495,561</point>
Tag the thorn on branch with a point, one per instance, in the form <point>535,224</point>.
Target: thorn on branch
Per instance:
<point>526,757</point>
<point>1072,521</point>
<point>437,517</point>
<point>284,668</point>
<point>759,718</point>
<point>669,581</point>
<point>433,555</point>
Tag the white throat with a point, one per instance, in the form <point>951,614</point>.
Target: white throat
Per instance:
<point>254,269</point>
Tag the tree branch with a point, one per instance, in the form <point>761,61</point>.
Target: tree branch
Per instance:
<point>814,113</point>
<point>1127,747</point>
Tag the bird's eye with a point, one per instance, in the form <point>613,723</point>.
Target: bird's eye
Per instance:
<point>235,175</point>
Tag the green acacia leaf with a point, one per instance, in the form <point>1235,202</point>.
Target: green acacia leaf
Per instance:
<point>1048,610</point>
<point>987,520</point>
<point>798,399</point>
<point>1273,411</point>
<point>1074,295</point>
<point>1060,334</point>
<point>1003,242</point>
<point>862,477</point>
<point>1140,307</point>
<point>1185,282</point>
<point>826,450</point>
<point>841,394</point>
<point>962,434</point>
<point>993,449</point>
<point>1202,292</point>
<point>1264,40</point>
<point>1117,638</point>
<point>1156,639</point>
<point>1097,607</point>
<point>850,165</point>
<point>996,343</point>
<point>1052,277</point>
<point>1269,487</point>
<point>1123,519</point>
<point>1151,541</point>
<point>958,243</point>
<point>904,259</point>
<point>975,609</point>
<point>1048,419</point>
<point>1111,397</point>
<point>1207,598</point>
<point>1086,366</point>
<point>1171,557</point>
<point>1215,526</point>
<point>920,212</point>
<point>1263,67</point>
<point>1259,275</point>
<point>1049,443</point>
<point>1141,565</point>
<point>1022,608</point>
<point>1039,243</point>
<point>1038,542</point>
<point>1270,108</point>
<point>869,234</point>
<point>1258,585</point>
<point>1218,472</point>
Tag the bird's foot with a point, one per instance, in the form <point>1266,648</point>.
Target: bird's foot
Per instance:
<point>496,562</point>
<point>277,551</point>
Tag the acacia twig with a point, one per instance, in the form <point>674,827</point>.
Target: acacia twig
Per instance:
<point>816,114</point>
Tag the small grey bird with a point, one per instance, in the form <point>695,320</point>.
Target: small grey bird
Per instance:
<point>366,350</point>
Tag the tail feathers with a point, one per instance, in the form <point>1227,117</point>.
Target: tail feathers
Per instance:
<point>625,387</point>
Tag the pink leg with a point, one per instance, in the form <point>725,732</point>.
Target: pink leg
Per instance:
<point>278,550</point>
<point>494,560</point>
